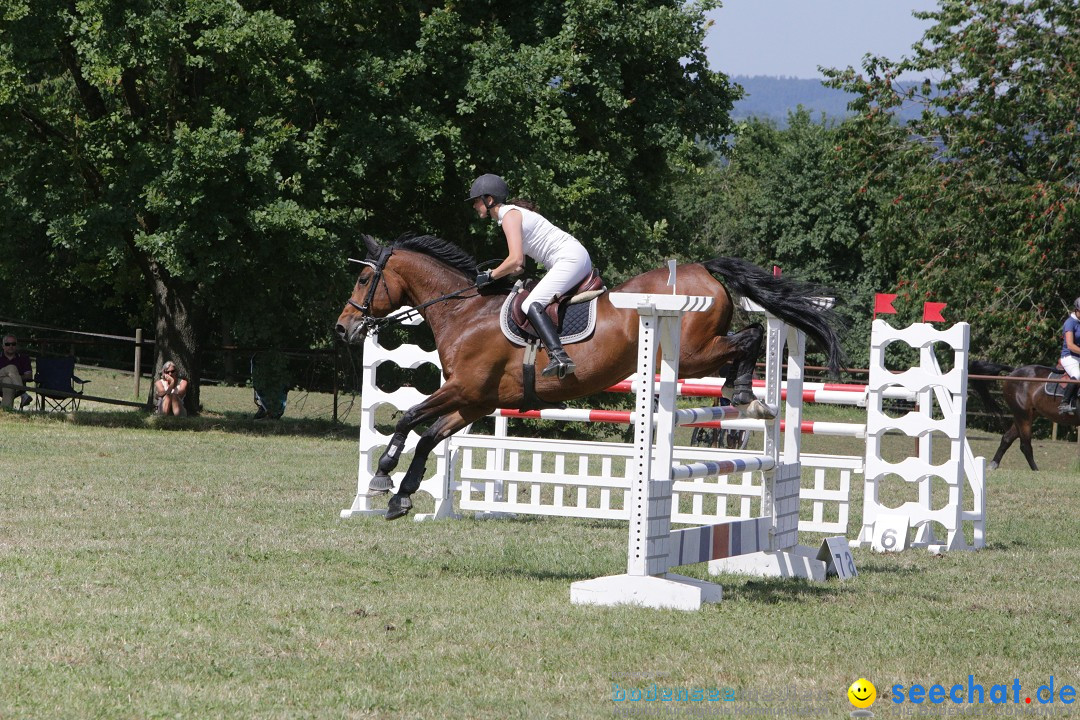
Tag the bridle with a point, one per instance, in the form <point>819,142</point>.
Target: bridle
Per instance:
<point>371,324</point>
<point>377,266</point>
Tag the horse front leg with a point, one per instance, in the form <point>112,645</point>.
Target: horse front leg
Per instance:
<point>433,406</point>
<point>444,427</point>
<point>381,482</point>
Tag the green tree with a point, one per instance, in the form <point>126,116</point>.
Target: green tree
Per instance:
<point>165,137</point>
<point>231,152</point>
<point>591,108</point>
<point>978,196</point>
<point>784,198</point>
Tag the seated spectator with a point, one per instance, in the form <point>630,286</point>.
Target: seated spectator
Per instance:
<point>170,389</point>
<point>15,369</point>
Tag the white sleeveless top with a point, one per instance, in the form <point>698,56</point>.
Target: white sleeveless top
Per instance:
<point>543,241</point>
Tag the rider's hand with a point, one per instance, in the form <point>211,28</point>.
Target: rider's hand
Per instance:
<point>484,278</point>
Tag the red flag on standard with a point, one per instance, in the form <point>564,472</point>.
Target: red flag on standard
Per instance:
<point>883,304</point>
<point>931,312</point>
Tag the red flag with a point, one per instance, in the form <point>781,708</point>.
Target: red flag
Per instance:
<point>931,312</point>
<point>776,270</point>
<point>883,304</point>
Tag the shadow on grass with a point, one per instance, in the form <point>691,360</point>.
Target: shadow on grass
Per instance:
<point>771,591</point>
<point>234,422</point>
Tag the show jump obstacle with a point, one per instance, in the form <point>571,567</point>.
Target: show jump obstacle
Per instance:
<point>942,395</point>
<point>654,548</point>
<point>719,490</point>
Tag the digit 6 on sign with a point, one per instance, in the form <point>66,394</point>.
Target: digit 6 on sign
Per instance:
<point>891,533</point>
<point>888,539</point>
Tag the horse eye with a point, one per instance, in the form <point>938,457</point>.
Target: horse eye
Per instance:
<point>362,280</point>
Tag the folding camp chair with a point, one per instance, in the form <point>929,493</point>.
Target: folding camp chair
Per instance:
<point>58,374</point>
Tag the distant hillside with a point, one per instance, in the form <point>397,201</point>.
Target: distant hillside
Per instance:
<point>773,97</point>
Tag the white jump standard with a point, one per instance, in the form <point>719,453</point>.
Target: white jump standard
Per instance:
<point>654,548</point>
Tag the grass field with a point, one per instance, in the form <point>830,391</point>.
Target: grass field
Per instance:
<point>197,568</point>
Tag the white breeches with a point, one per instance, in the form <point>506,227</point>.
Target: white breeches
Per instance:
<point>1072,365</point>
<point>567,272</point>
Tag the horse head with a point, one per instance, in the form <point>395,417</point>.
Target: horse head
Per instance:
<point>377,292</point>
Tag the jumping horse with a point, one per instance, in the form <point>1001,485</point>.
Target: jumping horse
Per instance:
<point>484,371</point>
<point>1025,399</point>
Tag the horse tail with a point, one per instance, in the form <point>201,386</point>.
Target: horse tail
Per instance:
<point>982,387</point>
<point>796,302</point>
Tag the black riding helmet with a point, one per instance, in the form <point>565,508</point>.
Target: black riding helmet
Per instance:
<point>492,185</point>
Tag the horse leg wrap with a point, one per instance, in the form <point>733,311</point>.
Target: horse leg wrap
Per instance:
<point>743,394</point>
<point>399,506</point>
<point>749,341</point>
<point>380,484</point>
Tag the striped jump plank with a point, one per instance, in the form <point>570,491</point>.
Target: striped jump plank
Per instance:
<point>715,542</point>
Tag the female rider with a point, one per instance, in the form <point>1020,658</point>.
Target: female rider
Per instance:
<point>529,233</point>
<point>1070,358</point>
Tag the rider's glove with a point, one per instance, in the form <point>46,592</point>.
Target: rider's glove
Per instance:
<point>484,278</point>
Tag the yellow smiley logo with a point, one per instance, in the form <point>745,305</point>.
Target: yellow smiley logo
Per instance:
<point>862,693</point>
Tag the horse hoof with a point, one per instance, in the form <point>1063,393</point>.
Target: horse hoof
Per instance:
<point>399,506</point>
<point>379,485</point>
<point>759,411</point>
<point>991,465</point>
<point>742,397</point>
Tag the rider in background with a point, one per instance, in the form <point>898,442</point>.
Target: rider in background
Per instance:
<point>1070,358</point>
<point>529,233</point>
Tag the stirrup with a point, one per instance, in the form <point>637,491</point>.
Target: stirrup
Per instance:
<point>561,366</point>
<point>1063,408</point>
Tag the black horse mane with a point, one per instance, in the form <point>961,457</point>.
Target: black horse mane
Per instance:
<point>439,249</point>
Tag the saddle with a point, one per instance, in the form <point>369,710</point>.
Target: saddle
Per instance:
<point>1053,386</point>
<point>573,314</point>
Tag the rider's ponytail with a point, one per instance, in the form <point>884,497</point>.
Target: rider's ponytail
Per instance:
<point>524,203</point>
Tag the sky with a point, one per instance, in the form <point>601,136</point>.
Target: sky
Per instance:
<point>793,37</point>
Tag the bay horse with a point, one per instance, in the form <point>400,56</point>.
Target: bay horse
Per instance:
<point>483,371</point>
<point>1025,400</point>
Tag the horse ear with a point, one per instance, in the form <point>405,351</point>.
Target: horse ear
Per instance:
<point>372,245</point>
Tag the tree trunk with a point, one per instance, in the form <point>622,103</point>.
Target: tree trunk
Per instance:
<point>176,331</point>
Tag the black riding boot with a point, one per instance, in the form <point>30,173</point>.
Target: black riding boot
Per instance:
<point>1068,401</point>
<point>560,364</point>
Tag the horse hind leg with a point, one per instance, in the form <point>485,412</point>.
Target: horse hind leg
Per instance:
<point>748,347</point>
<point>1007,439</point>
<point>1024,429</point>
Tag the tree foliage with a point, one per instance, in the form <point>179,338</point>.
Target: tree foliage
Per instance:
<point>784,198</point>
<point>978,197</point>
<point>210,163</point>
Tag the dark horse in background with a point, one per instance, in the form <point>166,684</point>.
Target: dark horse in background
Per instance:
<point>1026,401</point>
<point>483,370</point>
